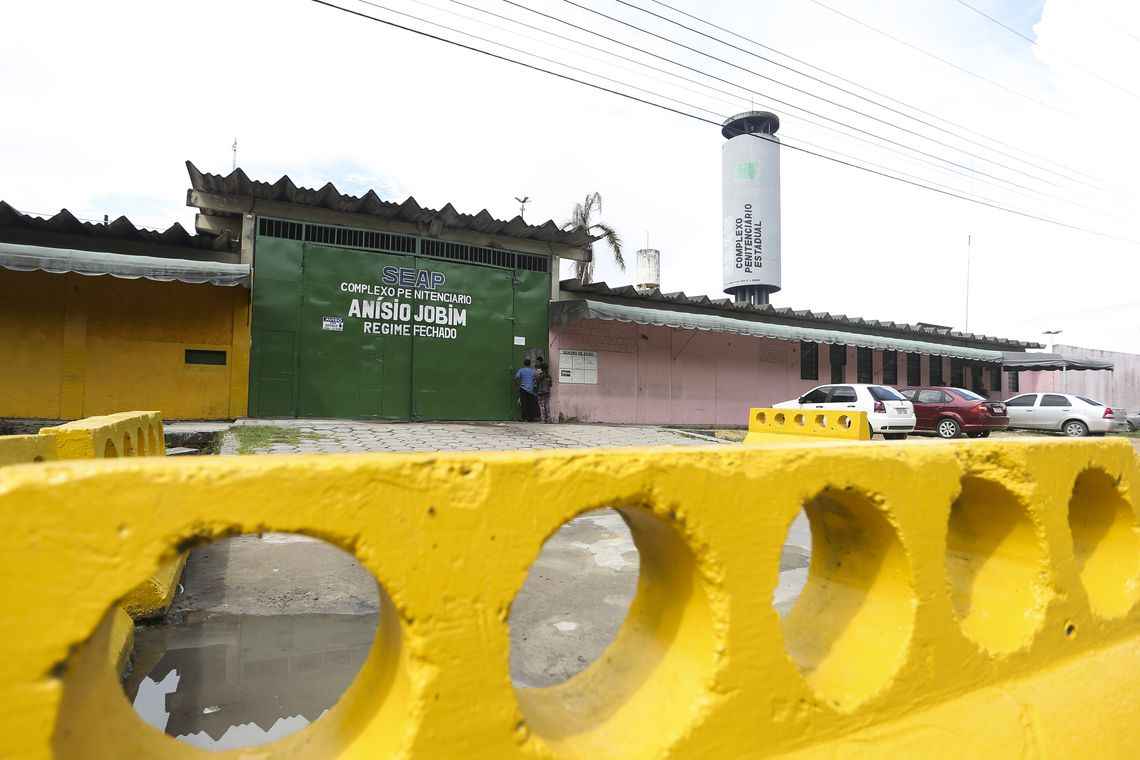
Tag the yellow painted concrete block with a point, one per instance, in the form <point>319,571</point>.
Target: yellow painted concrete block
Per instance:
<point>766,425</point>
<point>21,449</point>
<point>153,596</point>
<point>965,599</point>
<point>126,434</point>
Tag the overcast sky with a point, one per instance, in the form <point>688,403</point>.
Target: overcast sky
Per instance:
<point>101,111</point>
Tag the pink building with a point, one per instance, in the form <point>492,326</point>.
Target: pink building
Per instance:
<point>623,356</point>
<point>1119,388</point>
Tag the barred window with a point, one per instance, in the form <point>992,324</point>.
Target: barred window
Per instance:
<point>864,366</point>
<point>809,361</point>
<point>914,369</point>
<point>890,368</point>
<point>936,370</point>
<point>957,373</point>
<point>838,357</point>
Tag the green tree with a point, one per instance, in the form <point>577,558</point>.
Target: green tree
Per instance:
<point>582,220</point>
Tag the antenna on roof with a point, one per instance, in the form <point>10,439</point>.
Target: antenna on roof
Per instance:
<point>234,168</point>
<point>522,205</point>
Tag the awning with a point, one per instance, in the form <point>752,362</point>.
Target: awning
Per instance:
<point>565,312</point>
<point>34,258</point>
<point>1017,361</point>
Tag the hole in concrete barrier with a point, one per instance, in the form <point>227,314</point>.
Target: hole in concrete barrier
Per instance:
<point>849,629</point>
<point>844,421</point>
<point>109,450</point>
<point>996,567</point>
<point>1105,544</point>
<point>795,556</point>
<point>799,418</point>
<point>264,634</point>
<point>780,419</point>
<point>762,418</point>
<point>629,595</point>
<point>575,598</point>
<point>821,420</point>
<point>142,442</point>
<point>128,449</point>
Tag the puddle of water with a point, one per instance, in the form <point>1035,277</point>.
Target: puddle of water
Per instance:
<point>227,681</point>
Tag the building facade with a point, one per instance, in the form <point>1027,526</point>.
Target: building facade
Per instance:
<point>626,356</point>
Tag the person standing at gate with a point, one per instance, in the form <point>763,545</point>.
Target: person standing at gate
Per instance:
<point>527,400</point>
<point>542,384</point>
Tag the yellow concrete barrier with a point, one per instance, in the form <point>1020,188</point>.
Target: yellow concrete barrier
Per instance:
<point>973,599</point>
<point>766,425</point>
<point>127,434</point>
<point>18,449</point>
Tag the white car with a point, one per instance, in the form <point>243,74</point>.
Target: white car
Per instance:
<point>1063,412</point>
<point>888,411</point>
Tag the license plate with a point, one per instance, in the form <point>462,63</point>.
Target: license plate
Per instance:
<point>900,410</point>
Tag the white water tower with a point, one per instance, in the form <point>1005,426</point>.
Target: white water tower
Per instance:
<point>750,197</point>
<point>648,269</point>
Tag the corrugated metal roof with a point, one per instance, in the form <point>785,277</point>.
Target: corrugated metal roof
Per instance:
<point>769,313</point>
<point>34,258</point>
<point>1024,362</point>
<point>564,312</point>
<point>237,184</point>
<point>121,229</point>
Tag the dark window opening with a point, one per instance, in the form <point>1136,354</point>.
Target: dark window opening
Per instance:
<point>936,363</point>
<point>864,366</point>
<point>838,356</point>
<point>809,361</point>
<point>914,369</point>
<point>890,368</point>
<point>1014,382</point>
<point>957,373</point>
<point>200,356</point>
<point>995,379</point>
<point>977,383</point>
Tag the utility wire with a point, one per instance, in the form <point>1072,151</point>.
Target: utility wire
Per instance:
<point>720,115</point>
<point>958,128</point>
<point>808,93</point>
<point>733,106</point>
<point>770,97</point>
<point>1033,42</point>
<point>944,61</point>
<point>520,51</point>
<point>670,109</point>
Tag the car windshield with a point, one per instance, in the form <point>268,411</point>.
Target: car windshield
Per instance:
<point>879,393</point>
<point>1090,401</point>
<point>968,395</point>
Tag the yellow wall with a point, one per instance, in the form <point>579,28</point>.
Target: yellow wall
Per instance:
<point>76,346</point>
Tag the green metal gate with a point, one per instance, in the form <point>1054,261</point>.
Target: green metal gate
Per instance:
<point>343,331</point>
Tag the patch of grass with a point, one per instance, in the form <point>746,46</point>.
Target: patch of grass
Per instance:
<point>252,438</point>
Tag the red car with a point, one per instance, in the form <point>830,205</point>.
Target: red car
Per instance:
<point>949,412</point>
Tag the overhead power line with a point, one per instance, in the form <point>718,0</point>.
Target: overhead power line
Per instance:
<point>1075,64</point>
<point>670,109</point>
<point>733,96</point>
<point>958,130</point>
<point>944,61</point>
<point>774,99</point>
<point>810,94</point>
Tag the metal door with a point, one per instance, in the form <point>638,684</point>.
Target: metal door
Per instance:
<point>463,344</point>
<point>351,362</point>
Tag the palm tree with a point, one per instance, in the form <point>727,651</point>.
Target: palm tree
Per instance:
<point>582,220</point>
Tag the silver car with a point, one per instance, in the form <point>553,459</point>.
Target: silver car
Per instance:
<point>1061,412</point>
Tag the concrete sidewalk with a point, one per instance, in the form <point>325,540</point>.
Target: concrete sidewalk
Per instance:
<point>341,436</point>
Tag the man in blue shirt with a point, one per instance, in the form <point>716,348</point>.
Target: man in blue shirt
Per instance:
<point>525,378</point>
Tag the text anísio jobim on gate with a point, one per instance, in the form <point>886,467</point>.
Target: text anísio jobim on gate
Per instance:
<point>408,302</point>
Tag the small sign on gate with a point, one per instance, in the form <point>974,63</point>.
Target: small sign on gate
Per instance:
<point>336,324</point>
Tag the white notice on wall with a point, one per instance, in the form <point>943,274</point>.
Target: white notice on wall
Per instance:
<point>520,340</point>
<point>578,367</point>
<point>336,324</point>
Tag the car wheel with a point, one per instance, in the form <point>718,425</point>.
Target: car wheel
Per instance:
<point>1075,429</point>
<point>895,436</point>
<point>948,428</point>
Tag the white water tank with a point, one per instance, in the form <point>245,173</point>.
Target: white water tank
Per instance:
<point>750,185</point>
<point>648,269</point>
